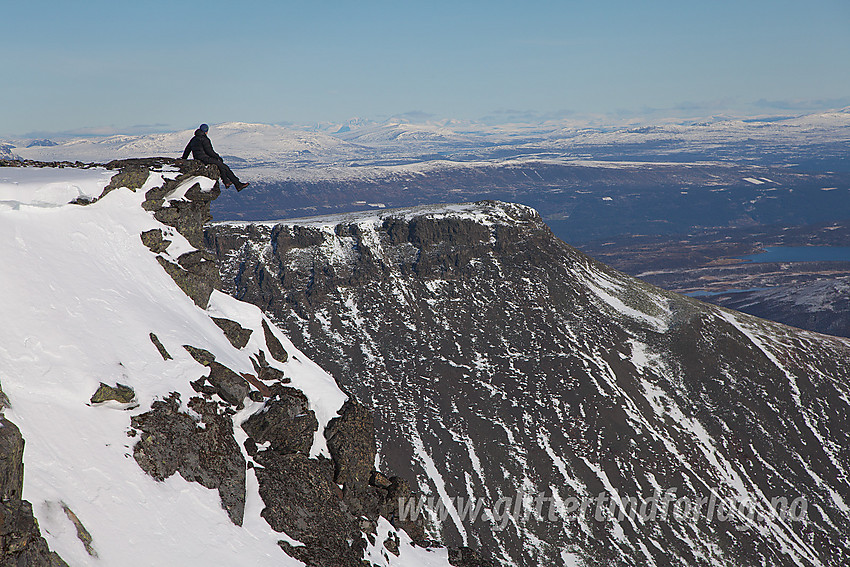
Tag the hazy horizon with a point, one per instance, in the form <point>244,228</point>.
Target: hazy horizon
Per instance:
<point>101,66</point>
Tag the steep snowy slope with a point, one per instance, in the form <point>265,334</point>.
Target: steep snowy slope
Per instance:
<point>520,374</point>
<point>85,303</point>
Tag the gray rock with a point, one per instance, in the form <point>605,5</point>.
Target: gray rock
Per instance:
<point>351,441</point>
<point>265,372</point>
<point>187,215</point>
<point>11,461</point>
<point>154,240</point>
<point>285,422</point>
<point>130,175</point>
<point>172,441</point>
<point>159,347</point>
<point>82,533</point>
<point>235,333</point>
<point>303,501</point>
<point>120,393</point>
<point>275,348</point>
<point>21,543</point>
<point>196,286</point>
<point>203,357</point>
<point>228,384</point>
<point>467,557</point>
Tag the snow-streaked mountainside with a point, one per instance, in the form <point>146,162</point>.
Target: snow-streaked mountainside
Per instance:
<point>107,287</point>
<point>506,365</point>
<point>819,304</point>
<point>6,151</point>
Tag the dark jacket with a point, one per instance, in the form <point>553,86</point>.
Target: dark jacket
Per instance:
<point>201,148</point>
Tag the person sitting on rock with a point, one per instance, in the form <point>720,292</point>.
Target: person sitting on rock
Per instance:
<point>202,150</point>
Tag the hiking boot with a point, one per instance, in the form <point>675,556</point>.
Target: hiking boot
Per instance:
<point>227,184</point>
<point>240,186</point>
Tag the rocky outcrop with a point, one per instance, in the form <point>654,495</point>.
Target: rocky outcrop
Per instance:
<point>351,441</point>
<point>302,500</point>
<point>162,351</point>
<point>286,422</point>
<point>21,544</point>
<point>205,451</point>
<point>275,348</point>
<point>195,437</point>
<point>468,557</point>
<point>302,495</point>
<point>230,386</point>
<point>118,393</point>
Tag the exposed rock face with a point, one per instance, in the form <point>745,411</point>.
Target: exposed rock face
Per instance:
<point>285,422</point>
<point>195,272</point>
<point>466,557</point>
<point>302,495</point>
<point>155,240</point>
<point>11,461</point>
<point>172,441</point>
<point>275,348</point>
<point>189,214</point>
<point>21,544</point>
<point>351,441</point>
<point>302,500</point>
<point>502,361</point>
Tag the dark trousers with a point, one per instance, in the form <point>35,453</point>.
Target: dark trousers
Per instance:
<point>226,173</point>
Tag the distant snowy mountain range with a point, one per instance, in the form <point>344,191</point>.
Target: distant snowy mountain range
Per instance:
<point>278,152</point>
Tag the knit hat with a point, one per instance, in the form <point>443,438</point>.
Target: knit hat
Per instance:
<point>204,128</point>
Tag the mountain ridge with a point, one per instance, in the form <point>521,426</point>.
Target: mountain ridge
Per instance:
<point>510,362</point>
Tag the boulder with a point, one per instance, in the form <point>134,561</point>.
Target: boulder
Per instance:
<point>155,241</point>
<point>235,333</point>
<point>119,393</point>
<point>232,387</point>
<point>159,347</point>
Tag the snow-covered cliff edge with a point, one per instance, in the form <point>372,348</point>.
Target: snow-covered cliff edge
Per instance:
<point>123,365</point>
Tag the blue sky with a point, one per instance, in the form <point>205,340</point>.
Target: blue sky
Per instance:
<point>132,66</point>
